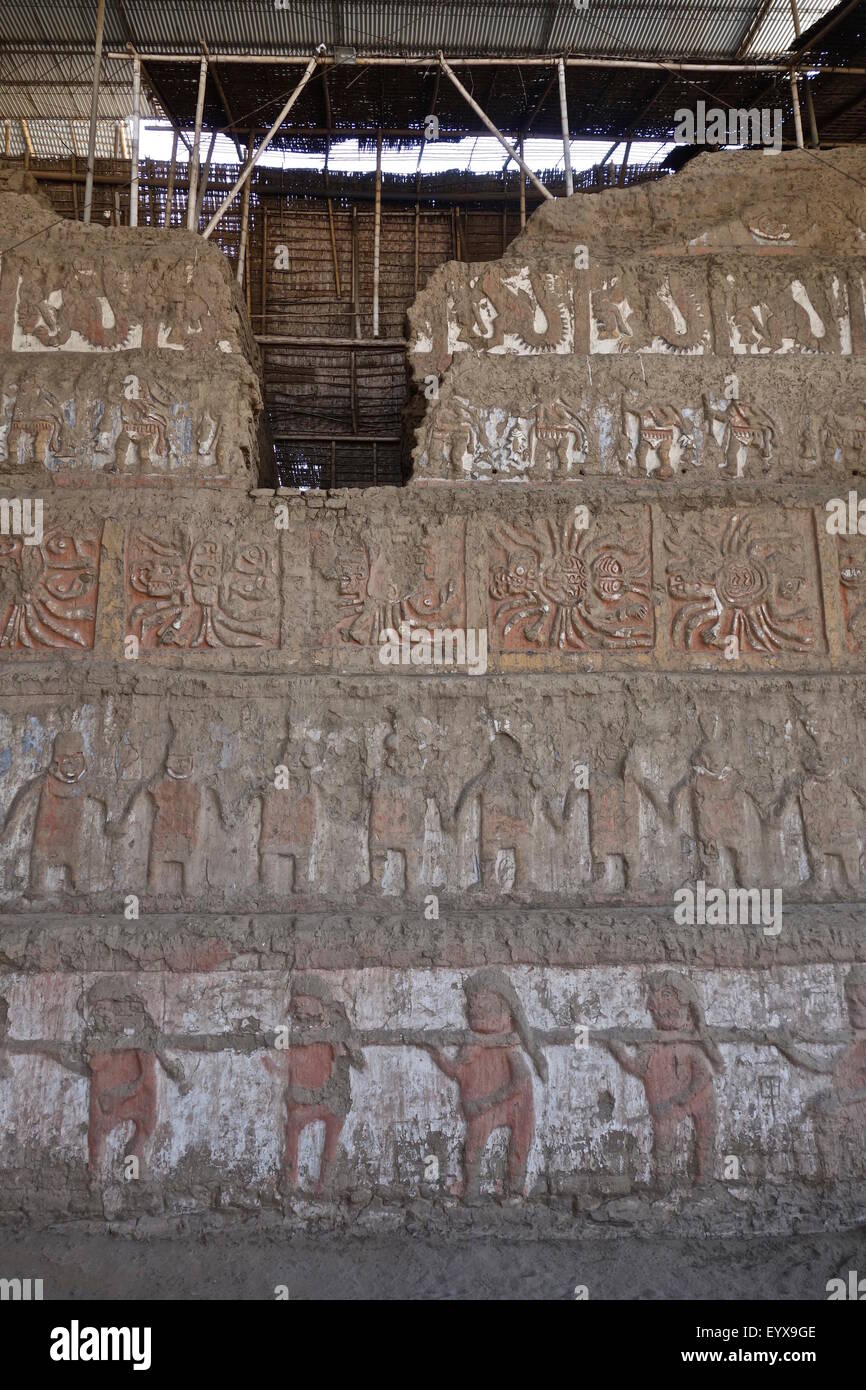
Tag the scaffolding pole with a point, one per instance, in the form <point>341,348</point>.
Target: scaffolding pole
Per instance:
<point>195,156</point>
<point>136,135</point>
<point>566,137</point>
<point>377,234</point>
<point>94,110</point>
<point>235,190</point>
<point>509,149</point>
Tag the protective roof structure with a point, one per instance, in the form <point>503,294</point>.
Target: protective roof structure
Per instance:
<point>46,62</point>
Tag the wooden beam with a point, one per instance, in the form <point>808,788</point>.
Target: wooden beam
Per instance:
<point>172,172</point>
<point>290,340</point>
<point>94,110</point>
<point>136,131</point>
<point>566,136</point>
<point>377,235</point>
<point>195,156</point>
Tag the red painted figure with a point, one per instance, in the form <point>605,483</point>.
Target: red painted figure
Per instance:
<point>122,1048</point>
<point>288,824</point>
<point>839,1115</point>
<point>315,1071</point>
<point>175,830</point>
<point>58,844</point>
<point>494,1080</point>
<point>677,1074</point>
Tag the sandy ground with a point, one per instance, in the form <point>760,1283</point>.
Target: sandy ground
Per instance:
<point>240,1266</point>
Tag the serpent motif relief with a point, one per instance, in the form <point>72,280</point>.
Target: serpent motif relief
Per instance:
<point>493,307</point>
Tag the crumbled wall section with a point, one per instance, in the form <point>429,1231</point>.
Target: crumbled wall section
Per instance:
<point>491,849</point>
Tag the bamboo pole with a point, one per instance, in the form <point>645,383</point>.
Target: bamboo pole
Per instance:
<point>798,119</point>
<point>293,340</point>
<point>235,190</point>
<point>522,191</point>
<point>810,105</point>
<point>509,149</point>
<point>624,166</point>
<point>566,136</point>
<point>195,156</point>
<point>377,235</point>
<point>136,135</point>
<point>356,275</point>
<point>94,110</point>
<point>263,317</point>
<point>172,172</point>
<point>423,60</point>
<point>245,221</point>
<point>204,180</point>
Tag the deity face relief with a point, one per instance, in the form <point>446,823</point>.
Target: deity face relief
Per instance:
<point>67,763</point>
<point>179,766</point>
<point>488,1013</point>
<point>306,1008</point>
<point>668,1011</point>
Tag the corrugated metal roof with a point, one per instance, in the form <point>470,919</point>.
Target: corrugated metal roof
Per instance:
<point>697,28</point>
<point>62,139</point>
<point>58,86</point>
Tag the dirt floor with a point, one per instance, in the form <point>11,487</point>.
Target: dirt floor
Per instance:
<point>237,1266</point>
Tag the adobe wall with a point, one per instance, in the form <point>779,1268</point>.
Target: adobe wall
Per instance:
<point>311,933</point>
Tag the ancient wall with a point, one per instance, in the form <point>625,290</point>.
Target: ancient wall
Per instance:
<point>500,837</point>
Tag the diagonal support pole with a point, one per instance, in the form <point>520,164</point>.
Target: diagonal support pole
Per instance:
<point>509,149</point>
<point>250,166</point>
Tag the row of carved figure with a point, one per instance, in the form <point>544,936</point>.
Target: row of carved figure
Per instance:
<point>321,823</point>
<point>740,584</point>
<point>142,430</point>
<point>713,307</point>
<point>183,590</point>
<point>492,1065</point>
<point>651,437</point>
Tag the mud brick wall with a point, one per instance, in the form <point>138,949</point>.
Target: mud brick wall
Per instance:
<point>306,932</point>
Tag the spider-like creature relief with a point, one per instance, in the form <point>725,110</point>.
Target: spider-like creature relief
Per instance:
<point>48,591</point>
<point>202,596</point>
<point>158,571</point>
<point>564,586</point>
<point>740,588</point>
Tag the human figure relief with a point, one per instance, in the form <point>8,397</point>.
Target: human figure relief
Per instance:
<point>727,821</point>
<point>744,433</point>
<point>315,1069</point>
<point>658,438</point>
<point>58,846</point>
<point>119,1053</point>
<point>506,794</point>
<point>122,1048</point>
<point>494,1080</point>
<point>288,823</point>
<point>82,306</point>
<point>838,1114</point>
<point>832,805</point>
<point>676,1070</point>
<point>176,850</point>
<point>398,810</point>
<point>611,832</point>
